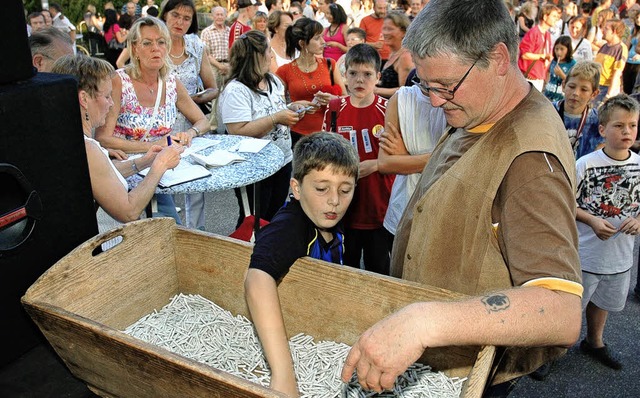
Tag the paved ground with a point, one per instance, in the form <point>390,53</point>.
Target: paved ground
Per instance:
<point>39,374</point>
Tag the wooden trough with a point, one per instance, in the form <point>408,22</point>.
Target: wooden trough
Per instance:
<point>84,301</point>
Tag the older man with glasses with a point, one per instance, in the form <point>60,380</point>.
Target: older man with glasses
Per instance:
<point>493,215</point>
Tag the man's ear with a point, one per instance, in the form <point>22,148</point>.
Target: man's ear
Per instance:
<point>501,56</point>
<point>295,188</point>
<point>37,61</point>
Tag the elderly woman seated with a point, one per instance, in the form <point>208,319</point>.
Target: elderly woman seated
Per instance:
<point>110,189</point>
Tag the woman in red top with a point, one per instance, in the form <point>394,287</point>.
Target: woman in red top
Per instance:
<point>310,79</point>
<point>335,36</point>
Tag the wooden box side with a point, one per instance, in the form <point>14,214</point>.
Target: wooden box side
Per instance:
<point>117,287</point>
<point>214,267</point>
<point>118,365</point>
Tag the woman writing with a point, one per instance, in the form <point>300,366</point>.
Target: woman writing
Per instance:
<point>398,66</point>
<point>277,24</point>
<point>190,67</point>
<point>335,36</point>
<point>110,189</point>
<point>148,99</point>
<point>255,106</point>
<point>310,80</point>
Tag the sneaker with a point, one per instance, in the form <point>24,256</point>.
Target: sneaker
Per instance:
<point>602,355</point>
<point>542,372</point>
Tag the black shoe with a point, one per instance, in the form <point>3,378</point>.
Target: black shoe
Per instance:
<point>542,372</point>
<point>602,354</point>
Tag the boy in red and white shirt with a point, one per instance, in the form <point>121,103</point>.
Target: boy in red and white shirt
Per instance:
<point>359,118</point>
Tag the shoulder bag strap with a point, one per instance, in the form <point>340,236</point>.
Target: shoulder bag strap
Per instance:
<point>155,110</point>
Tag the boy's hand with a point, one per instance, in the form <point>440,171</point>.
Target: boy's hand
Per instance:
<point>391,141</point>
<point>367,167</point>
<point>630,226</point>
<point>286,385</point>
<point>602,228</point>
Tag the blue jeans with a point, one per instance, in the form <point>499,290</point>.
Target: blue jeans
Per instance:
<point>167,208</point>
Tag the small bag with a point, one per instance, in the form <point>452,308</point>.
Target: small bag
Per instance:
<point>114,44</point>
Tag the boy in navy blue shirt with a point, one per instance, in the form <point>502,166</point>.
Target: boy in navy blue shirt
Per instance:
<point>325,171</point>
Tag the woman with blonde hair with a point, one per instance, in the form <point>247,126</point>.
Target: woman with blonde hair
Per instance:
<point>148,99</point>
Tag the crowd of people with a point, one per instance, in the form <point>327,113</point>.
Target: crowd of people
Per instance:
<point>481,148</point>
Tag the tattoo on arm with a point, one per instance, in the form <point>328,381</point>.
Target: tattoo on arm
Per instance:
<point>496,302</point>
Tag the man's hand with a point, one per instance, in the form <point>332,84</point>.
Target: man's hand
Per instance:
<point>386,350</point>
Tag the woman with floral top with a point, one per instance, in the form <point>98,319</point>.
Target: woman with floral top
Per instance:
<point>148,98</point>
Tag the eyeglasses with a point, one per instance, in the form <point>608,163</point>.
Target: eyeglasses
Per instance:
<point>443,93</point>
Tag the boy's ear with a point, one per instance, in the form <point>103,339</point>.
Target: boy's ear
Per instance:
<point>595,93</point>
<point>601,130</point>
<point>378,76</point>
<point>295,188</point>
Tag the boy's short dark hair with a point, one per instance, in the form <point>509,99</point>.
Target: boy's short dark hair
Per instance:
<point>620,101</point>
<point>318,151</point>
<point>586,70</point>
<point>357,31</point>
<point>362,54</point>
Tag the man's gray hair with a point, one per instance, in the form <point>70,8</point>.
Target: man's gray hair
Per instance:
<point>45,41</point>
<point>468,29</point>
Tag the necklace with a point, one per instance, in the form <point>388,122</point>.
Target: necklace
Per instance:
<point>333,32</point>
<point>149,87</point>
<point>307,69</point>
<point>314,88</point>
<point>178,56</point>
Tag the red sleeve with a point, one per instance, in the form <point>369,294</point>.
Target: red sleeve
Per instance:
<point>527,45</point>
<point>283,74</point>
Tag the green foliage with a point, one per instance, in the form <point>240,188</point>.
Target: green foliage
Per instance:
<point>74,9</point>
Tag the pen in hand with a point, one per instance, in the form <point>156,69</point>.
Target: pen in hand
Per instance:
<point>169,144</point>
